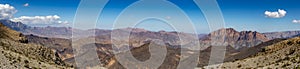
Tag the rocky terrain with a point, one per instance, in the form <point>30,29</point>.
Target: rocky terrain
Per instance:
<point>55,42</point>
<point>137,37</point>
<point>65,51</point>
<point>17,53</point>
<point>62,46</point>
<point>284,54</point>
<point>247,52</point>
<point>231,37</point>
<point>142,53</point>
<point>241,57</point>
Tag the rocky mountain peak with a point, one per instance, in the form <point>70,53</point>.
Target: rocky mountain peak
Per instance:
<point>229,36</point>
<point>227,29</point>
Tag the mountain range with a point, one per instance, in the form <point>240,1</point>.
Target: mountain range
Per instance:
<point>284,34</point>
<point>232,37</point>
<point>240,45</point>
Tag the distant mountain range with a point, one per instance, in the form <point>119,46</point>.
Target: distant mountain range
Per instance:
<point>57,32</point>
<point>284,34</point>
<point>138,36</point>
<point>241,47</point>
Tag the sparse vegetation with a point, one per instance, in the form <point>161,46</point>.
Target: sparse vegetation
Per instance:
<point>284,54</point>
<point>297,67</point>
<point>239,66</point>
<point>285,65</point>
<point>26,66</point>
<point>26,61</point>
<point>16,53</point>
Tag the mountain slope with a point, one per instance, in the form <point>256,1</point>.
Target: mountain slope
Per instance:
<point>62,46</point>
<point>247,52</point>
<point>17,53</point>
<point>284,54</point>
<point>229,36</point>
<point>142,53</point>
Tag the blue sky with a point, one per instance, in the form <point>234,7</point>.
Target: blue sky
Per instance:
<point>238,14</point>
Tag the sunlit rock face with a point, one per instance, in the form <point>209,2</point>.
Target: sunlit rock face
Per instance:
<point>231,37</point>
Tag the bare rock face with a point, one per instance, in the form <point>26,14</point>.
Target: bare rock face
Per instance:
<point>229,36</point>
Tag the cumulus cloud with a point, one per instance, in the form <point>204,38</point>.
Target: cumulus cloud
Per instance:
<point>26,5</point>
<point>277,14</point>
<point>296,21</point>
<point>52,19</point>
<point>7,11</point>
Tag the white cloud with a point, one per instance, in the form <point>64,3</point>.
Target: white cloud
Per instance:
<point>52,19</point>
<point>277,14</point>
<point>296,21</point>
<point>26,5</point>
<point>7,11</point>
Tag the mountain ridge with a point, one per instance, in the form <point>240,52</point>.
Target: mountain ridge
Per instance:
<point>66,32</point>
<point>15,49</point>
<point>229,36</point>
<point>284,54</point>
